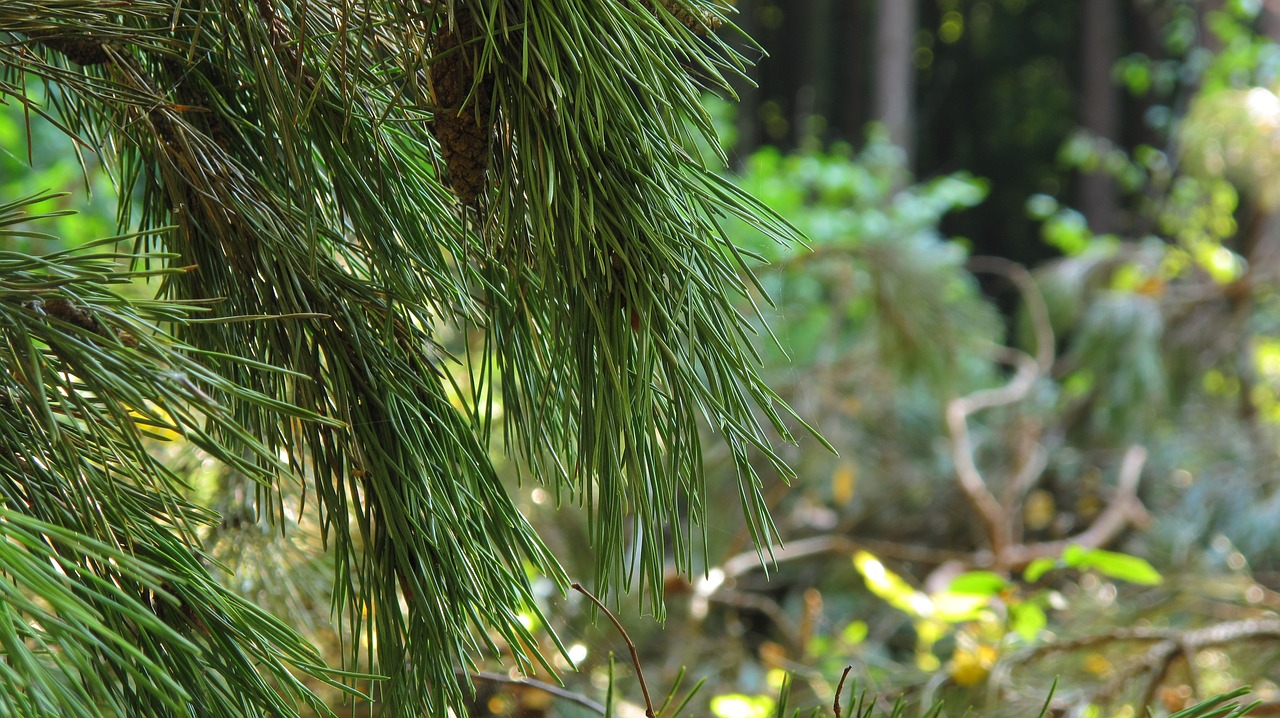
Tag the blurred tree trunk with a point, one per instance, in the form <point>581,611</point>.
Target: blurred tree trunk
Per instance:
<point>851,80</point>
<point>1100,105</point>
<point>895,79</point>
<point>815,101</point>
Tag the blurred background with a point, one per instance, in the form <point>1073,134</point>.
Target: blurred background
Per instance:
<point>1037,319</point>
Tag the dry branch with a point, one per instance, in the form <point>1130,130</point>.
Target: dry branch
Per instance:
<point>548,688</point>
<point>1168,645</point>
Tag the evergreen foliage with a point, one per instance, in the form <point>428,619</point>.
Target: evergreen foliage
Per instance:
<point>317,188</point>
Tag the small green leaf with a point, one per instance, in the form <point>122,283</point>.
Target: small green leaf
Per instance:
<point>855,633</point>
<point>1038,568</point>
<point>979,583</point>
<point>1120,566</point>
<point>738,705</point>
<point>1027,620</point>
<point>1074,556</point>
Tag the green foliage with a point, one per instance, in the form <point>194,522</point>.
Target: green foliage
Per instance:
<point>985,613</point>
<point>1145,346</point>
<point>94,624</point>
<point>292,172</point>
<point>878,274</point>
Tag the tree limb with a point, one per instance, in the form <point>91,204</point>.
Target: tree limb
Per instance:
<point>548,688</point>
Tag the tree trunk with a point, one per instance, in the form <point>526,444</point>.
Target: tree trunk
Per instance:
<point>893,103</point>
<point>1100,106</point>
<point>814,101</point>
<point>851,80</point>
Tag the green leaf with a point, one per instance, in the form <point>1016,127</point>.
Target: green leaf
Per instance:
<point>1114,565</point>
<point>1027,619</point>
<point>1038,568</point>
<point>979,583</point>
<point>855,632</point>
<point>738,705</point>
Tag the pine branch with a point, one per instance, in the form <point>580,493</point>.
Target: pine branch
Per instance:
<point>323,161</point>
<point>109,603</point>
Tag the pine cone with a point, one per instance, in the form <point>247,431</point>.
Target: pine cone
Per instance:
<point>464,131</point>
<point>700,23</point>
<point>66,311</point>
<point>81,49</point>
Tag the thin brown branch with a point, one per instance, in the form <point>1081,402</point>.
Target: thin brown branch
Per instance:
<point>1161,666</point>
<point>548,688</point>
<point>995,521</point>
<point>749,561</point>
<point>1124,509</point>
<point>994,515</point>
<point>631,646</point>
<point>835,706</point>
<point>1196,639</point>
<point>1154,663</point>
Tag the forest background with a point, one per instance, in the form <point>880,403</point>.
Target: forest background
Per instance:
<point>1036,318</point>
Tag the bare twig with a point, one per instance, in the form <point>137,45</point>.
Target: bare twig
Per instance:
<point>1154,663</point>
<point>631,646</point>
<point>1124,509</point>
<point>995,516</point>
<point>994,520</point>
<point>835,706</point>
<point>548,688</point>
<point>1160,668</point>
<point>748,561</point>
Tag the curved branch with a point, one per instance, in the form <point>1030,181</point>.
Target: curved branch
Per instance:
<point>548,688</point>
<point>631,646</point>
<point>993,516</point>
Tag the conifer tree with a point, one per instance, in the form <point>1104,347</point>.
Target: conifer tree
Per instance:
<point>313,189</point>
